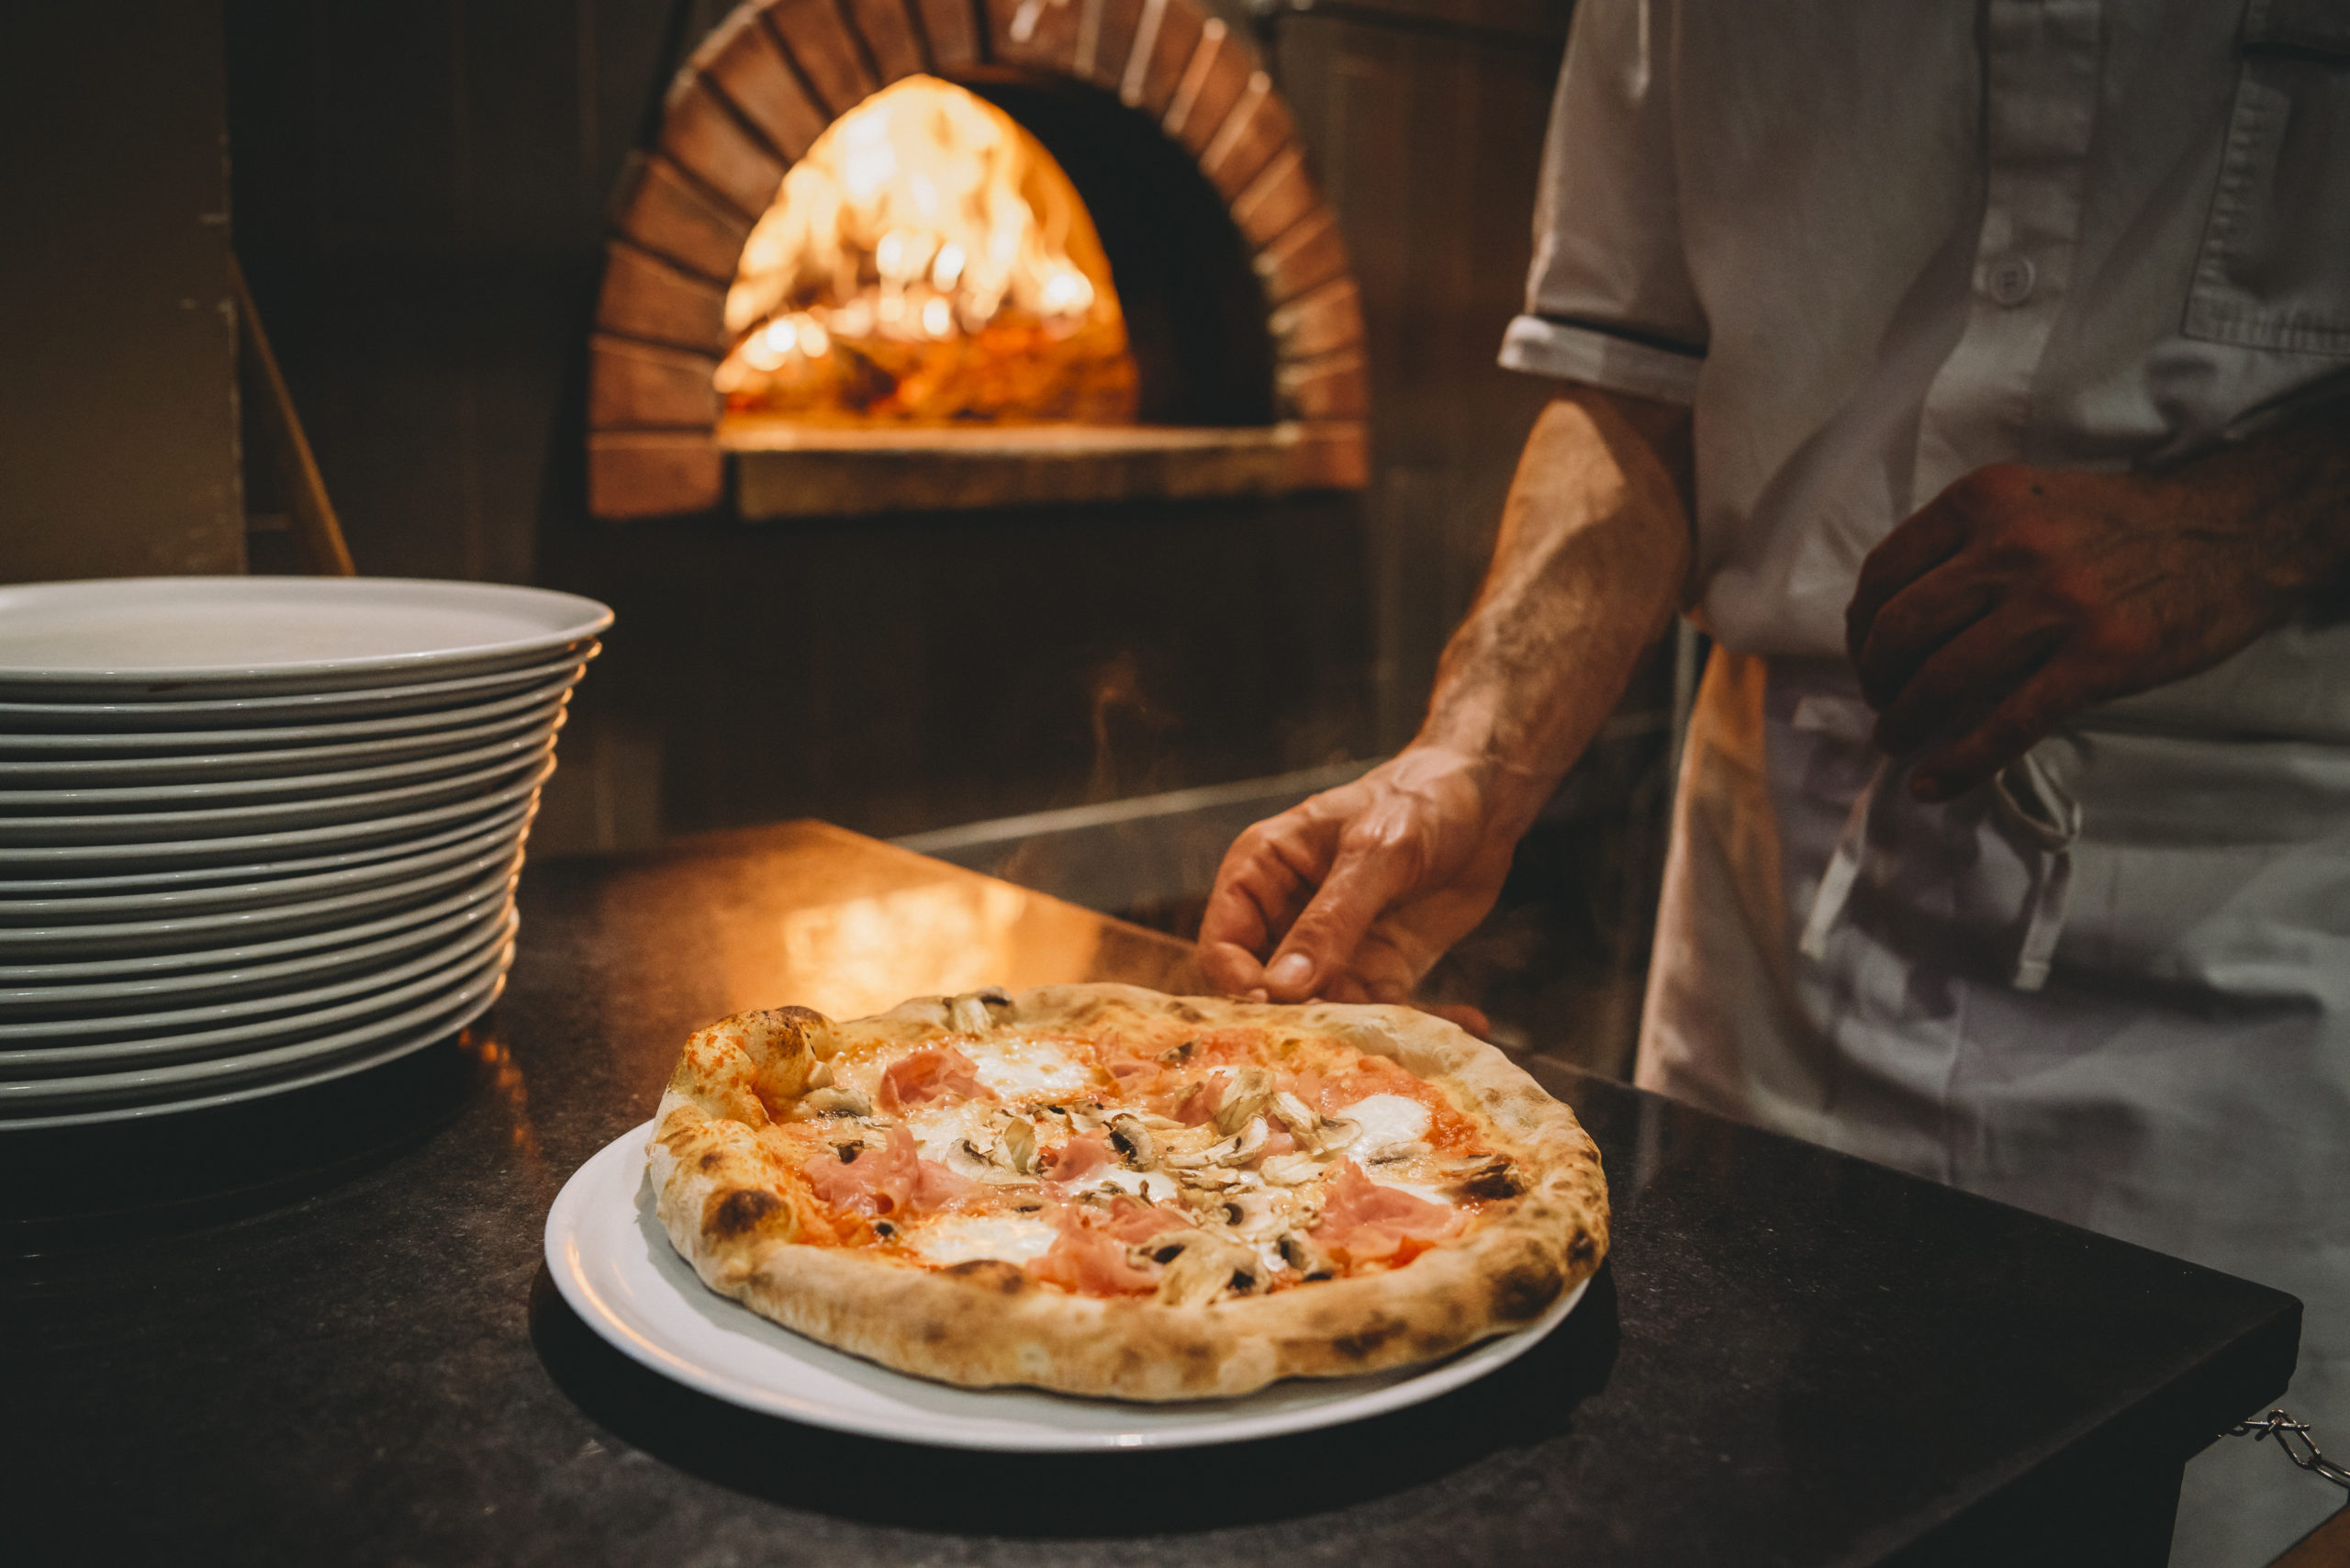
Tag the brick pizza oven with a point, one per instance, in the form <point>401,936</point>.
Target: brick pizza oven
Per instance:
<point>1247,322</point>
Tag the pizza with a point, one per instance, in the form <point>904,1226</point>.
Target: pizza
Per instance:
<point>1106,1190</point>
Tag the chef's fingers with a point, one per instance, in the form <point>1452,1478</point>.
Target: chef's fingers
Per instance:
<point>1377,863</point>
<point>1462,1015</point>
<point>1919,544</point>
<point>1916,622</point>
<point>1962,682</point>
<point>1267,878</point>
<point>2063,687</point>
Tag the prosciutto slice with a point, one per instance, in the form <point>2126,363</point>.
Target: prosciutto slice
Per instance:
<point>1363,1222</point>
<point>1090,1258</point>
<point>935,1073</point>
<point>1079,1159</point>
<point>891,1179</point>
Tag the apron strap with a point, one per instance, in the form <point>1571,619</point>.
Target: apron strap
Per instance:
<point>2035,803</point>
<point>2028,796</point>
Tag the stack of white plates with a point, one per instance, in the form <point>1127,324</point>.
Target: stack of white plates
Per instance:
<point>256,833</point>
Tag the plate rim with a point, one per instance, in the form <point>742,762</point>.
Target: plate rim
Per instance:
<point>324,1073</point>
<point>259,1009</point>
<point>122,746</point>
<point>560,1246</point>
<point>477,970</point>
<point>420,698</point>
<point>589,618</point>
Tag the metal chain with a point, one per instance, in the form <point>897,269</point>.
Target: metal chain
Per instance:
<point>2280,1425</point>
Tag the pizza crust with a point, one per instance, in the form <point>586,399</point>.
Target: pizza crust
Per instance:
<point>734,1205</point>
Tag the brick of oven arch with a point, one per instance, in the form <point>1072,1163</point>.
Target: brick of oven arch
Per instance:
<point>758,91</point>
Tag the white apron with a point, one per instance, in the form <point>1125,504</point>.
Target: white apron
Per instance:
<point>2175,882</point>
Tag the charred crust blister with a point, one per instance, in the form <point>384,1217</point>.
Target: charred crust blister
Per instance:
<point>740,1213</point>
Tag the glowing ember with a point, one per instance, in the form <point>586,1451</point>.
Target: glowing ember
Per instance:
<point>927,262</point>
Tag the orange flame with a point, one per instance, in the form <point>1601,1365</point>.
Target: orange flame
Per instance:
<point>927,261</point>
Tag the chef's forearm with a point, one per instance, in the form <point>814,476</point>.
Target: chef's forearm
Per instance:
<point>2292,484</point>
<point>1588,571</point>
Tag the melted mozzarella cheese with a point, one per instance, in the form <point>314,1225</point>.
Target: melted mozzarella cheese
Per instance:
<point>1388,1119</point>
<point>1013,1067</point>
<point>939,1129</point>
<point>959,1238</point>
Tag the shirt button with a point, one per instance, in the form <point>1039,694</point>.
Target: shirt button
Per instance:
<point>2009,280</point>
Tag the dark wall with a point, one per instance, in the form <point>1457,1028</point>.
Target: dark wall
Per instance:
<point>117,338</point>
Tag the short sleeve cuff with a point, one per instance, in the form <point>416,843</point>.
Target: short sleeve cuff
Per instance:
<point>1543,346</point>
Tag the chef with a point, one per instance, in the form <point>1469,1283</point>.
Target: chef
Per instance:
<point>1978,377</point>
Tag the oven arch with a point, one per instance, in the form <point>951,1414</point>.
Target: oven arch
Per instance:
<point>776,73</point>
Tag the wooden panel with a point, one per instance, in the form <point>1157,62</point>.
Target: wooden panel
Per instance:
<point>1105,39</point>
<point>117,338</point>
<point>756,78</point>
<point>666,213</point>
<point>702,136</point>
<point>828,56</point>
<point>652,473</point>
<point>638,386</point>
<point>644,296</point>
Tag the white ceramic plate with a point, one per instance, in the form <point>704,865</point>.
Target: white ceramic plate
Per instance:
<point>115,830</point>
<point>108,998</point>
<point>239,747</point>
<point>614,1265</point>
<point>107,1028</point>
<point>154,720</point>
<point>139,1082</point>
<point>232,928</point>
<point>264,886</point>
<point>137,967</point>
<point>213,797</point>
<point>77,797</point>
<point>230,849</point>
<point>456,969</point>
<point>210,637</point>
<point>431,1032</point>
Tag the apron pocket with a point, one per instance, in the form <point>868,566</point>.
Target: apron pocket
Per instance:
<point>2272,271</point>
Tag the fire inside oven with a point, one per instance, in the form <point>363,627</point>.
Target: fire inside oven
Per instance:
<point>927,262</point>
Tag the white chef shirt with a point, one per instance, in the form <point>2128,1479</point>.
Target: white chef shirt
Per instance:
<point>1877,246</point>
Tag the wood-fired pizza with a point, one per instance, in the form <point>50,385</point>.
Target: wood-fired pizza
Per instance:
<point>1107,1190</point>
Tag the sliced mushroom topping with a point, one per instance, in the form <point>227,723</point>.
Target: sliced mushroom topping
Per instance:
<point>1388,1154</point>
<point>1199,1157</point>
<point>1017,1146</point>
<point>1174,1054</point>
<point>834,1102</point>
<point>820,1075</point>
<point>1250,1143</point>
<point>1214,1178</point>
<point>1296,1115</point>
<point>1304,1256</point>
<point>1242,1098</point>
<point>1133,1143</point>
<point>1207,1267</point>
<point>1158,1124</point>
<point>1251,1216</point>
<point>1333,1134</point>
<point>1289,1170</point>
<point>969,1014</point>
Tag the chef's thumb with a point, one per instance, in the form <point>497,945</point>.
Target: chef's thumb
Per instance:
<point>1324,937</point>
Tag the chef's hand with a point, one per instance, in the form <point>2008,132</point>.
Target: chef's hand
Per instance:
<point>1356,892</point>
<point>2020,595</point>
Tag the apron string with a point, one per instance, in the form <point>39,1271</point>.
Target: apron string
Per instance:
<point>2028,796</point>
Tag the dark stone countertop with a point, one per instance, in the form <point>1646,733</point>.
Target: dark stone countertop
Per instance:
<point>318,1329</point>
